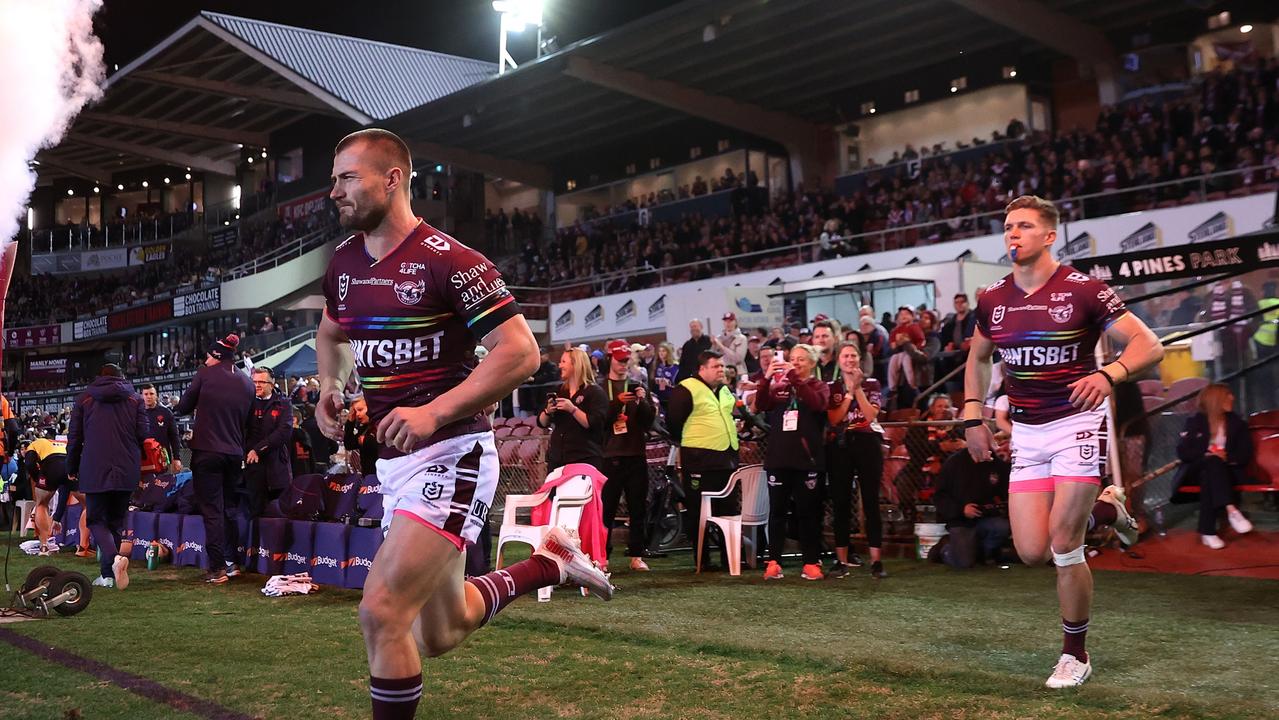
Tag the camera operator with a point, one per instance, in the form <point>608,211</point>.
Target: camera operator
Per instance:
<point>972,499</point>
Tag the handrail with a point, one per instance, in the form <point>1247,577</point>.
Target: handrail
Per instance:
<point>1068,203</point>
<point>284,345</point>
<point>294,250</point>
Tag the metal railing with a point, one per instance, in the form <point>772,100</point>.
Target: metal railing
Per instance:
<point>115,234</point>
<point>1080,207</point>
<point>290,251</point>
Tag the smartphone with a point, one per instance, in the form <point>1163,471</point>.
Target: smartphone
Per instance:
<point>550,399</point>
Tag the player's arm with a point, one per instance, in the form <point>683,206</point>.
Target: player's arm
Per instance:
<point>334,362</point>
<point>513,357</point>
<point>1142,351</point>
<point>976,381</point>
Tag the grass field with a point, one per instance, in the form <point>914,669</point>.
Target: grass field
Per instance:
<point>925,643</point>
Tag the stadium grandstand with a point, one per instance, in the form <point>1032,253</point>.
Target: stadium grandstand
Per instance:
<point>765,179</point>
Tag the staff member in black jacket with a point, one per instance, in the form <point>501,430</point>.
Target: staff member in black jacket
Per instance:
<point>796,403</point>
<point>267,470</point>
<point>104,450</point>
<point>690,355</point>
<point>972,499</point>
<point>630,416</point>
<point>700,420</point>
<point>1215,449</point>
<point>163,428</point>
<point>221,398</point>
<point>576,414</point>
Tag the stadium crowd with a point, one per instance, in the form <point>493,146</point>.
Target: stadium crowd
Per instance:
<point>1231,124</point>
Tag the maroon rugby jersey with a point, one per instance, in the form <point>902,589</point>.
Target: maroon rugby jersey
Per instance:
<point>414,318</point>
<point>1046,339</point>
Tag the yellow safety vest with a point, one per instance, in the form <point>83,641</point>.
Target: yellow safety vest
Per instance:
<point>1265,334</point>
<point>710,425</point>
<point>43,448</point>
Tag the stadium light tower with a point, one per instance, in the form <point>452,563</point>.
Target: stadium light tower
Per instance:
<point>515,16</point>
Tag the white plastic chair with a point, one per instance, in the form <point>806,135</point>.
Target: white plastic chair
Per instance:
<point>22,518</point>
<point>754,482</point>
<point>571,497</point>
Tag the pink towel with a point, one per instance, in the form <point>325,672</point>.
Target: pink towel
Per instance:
<point>591,530</point>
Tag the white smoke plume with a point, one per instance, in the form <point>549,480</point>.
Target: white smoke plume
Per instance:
<point>50,67</point>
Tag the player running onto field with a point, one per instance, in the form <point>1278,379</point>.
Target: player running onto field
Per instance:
<point>1045,320</point>
<point>406,304</point>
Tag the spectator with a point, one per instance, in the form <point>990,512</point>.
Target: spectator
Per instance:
<point>221,398</point>
<point>906,343</point>
<point>268,433</point>
<point>45,465</point>
<point>700,421</point>
<point>731,344</point>
<point>162,426</point>
<point>300,450</point>
<point>108,426</point>
<point>972,499</point>
<point>665,372</point>
<point>751,360</point>
<point>1215,450</point>
<point>875,347</point>
<point>630,417</point>
<point>696,344</point>
<point>824,340</point>
<point>576,414</point>
<point>855,459</point>
<point>359,438</point>
<point>322,448</point>
<point>955,336</point>
<point>796,402</point>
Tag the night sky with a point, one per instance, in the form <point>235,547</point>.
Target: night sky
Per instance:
<point>129,28</point>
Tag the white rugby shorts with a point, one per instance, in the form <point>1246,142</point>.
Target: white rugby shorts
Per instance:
<point>447,486</point>
<point>1071,449</point>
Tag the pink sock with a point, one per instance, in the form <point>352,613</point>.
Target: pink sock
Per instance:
<point>499,588</point>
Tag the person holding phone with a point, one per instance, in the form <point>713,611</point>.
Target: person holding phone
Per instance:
<point>576,414</point>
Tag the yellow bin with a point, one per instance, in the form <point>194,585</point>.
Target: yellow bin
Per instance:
<point>1178,364</point>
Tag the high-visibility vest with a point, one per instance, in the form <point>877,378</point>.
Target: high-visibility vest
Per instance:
<point>710,425</point>
<point>1266,334</point>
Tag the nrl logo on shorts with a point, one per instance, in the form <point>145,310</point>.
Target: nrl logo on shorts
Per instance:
<point>1061,313</point>
<point>344,283</point>
<point>997,316</point>
<point>1086,452</point>
<point>410,292</point>
<point>433,491</point>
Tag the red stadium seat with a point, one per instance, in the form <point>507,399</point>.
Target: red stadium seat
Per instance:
<point>1264,419</point>
<point>521,431</point>
<point>1151,388</point>
<point>894,436</point>
<point>903,415</point>
<point>1151,403</point>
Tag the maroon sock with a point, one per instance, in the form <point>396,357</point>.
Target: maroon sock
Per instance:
<point>395,699</point>
<point>1073,635</point>
<point>499,588</point>
<point>1103,513</point>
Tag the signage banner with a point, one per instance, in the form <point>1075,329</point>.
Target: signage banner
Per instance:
<point>44,369</point>
<point>138,316</point>
<point>1249,252</point>
<point>309,204</point>
<point>91,328</point>
<point>30,337</point>
<point>109,259</point>
<point>753,307</point>
<point>224,236</point>
<point>144,254</point>
<point>200,301</point>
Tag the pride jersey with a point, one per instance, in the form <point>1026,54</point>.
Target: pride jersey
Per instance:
<point>414,318</point>
<point>1046,339</point>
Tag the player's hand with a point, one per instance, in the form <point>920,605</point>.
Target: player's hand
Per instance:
<point>565,405</point>
<point>328,413</point>
<point>972,511</point>
<point>1088,392</point>
<point>981,442</point>
<point>405,429</point>
<point>251,458</point>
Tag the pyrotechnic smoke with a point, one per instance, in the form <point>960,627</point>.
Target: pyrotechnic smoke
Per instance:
<point>50,67</point>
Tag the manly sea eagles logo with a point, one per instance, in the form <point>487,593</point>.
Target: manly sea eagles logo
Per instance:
<point>1061,313</point>
<point>344,283</point>
<point>410,291</point>
<point>997,316</point>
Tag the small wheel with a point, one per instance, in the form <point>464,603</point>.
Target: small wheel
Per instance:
<point>79,590</point>
<point>40,577</point>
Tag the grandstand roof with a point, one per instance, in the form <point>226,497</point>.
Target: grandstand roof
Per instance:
<point>769,68</point>
<point>220,82</point>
